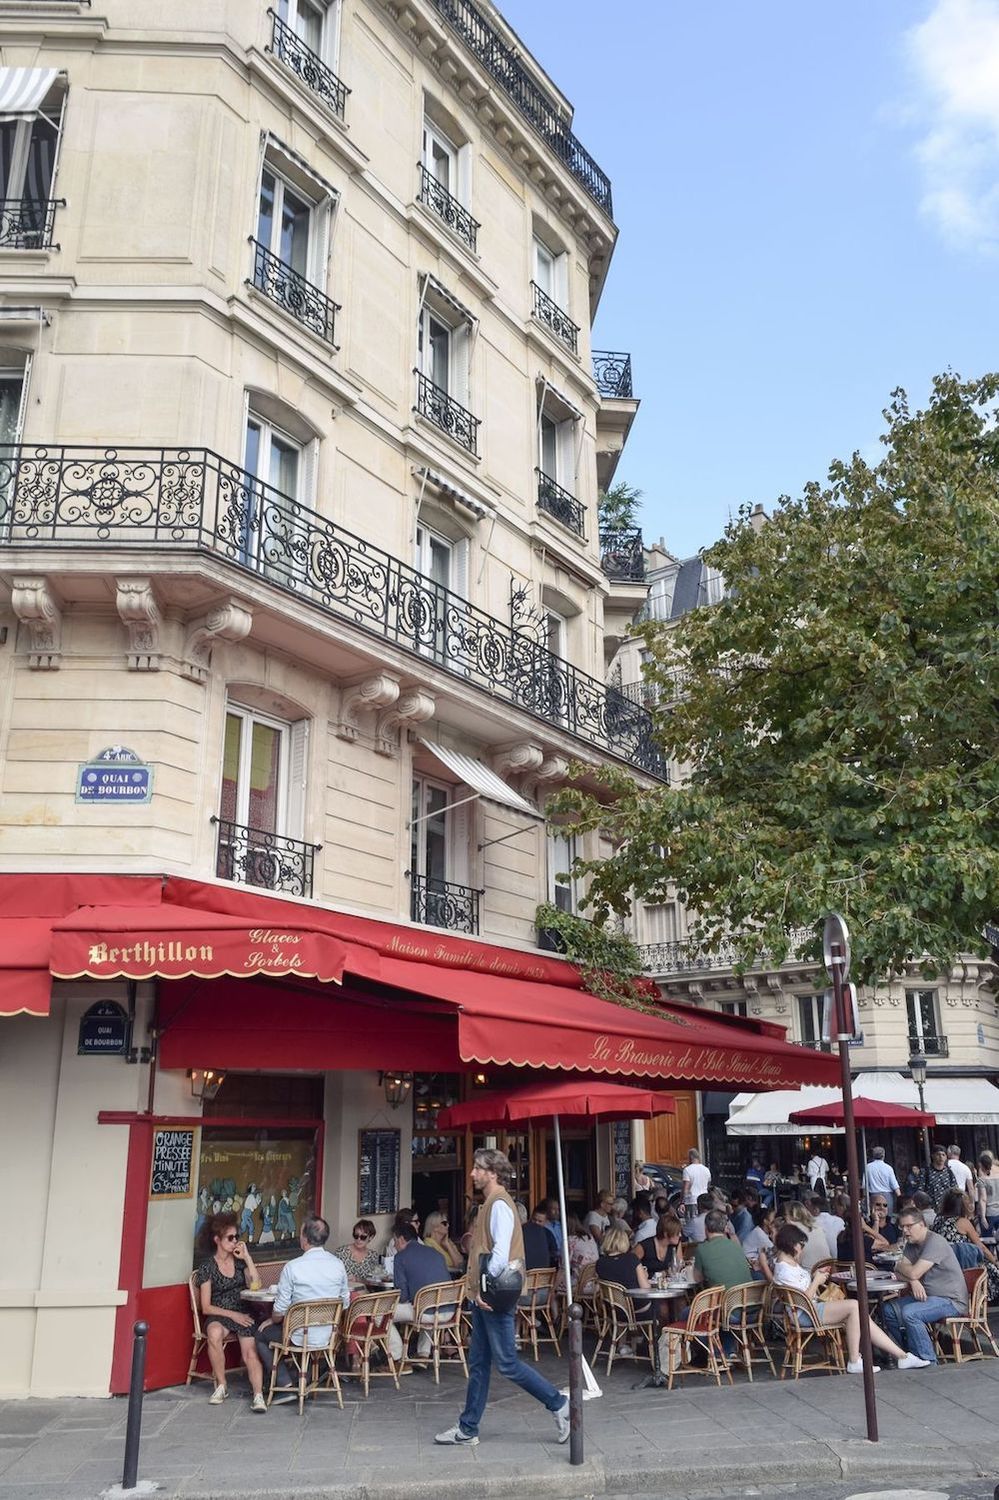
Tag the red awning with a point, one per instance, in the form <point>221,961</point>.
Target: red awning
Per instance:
<point>565,1099</point>
<point>868,1114</point>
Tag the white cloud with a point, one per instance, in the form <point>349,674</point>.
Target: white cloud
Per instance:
<point>954,56</point>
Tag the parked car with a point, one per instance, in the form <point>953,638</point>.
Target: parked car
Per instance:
<point>667,1180</point>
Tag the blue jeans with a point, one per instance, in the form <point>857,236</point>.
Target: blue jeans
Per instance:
<point>492,1344</point>
<point>906,1321</point>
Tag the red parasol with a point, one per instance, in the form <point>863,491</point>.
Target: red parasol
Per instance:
<point>868,1114</point>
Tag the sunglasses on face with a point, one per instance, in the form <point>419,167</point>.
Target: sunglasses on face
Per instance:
<point>359,1236</point>
<point>230,1237</point>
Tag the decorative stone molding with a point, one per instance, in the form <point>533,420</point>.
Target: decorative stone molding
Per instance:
<point>413,707</point>
<point>35,606</point>
<point>370,696</point>
<point>775,985</point>
<point>752,988</point>
<point>230,621</point>
<point>140,614</point>
<point>516,760</point>
<point>555,768</point>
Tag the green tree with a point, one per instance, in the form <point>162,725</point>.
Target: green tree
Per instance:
<point>836,714</point>
<point>618,507</point>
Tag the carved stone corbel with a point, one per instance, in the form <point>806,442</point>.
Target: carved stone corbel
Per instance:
<point>516,760</point>
<point>230,621</point>
<point>555,768</point>
<point>776,987</point>
<point>413,707</point>
<point>36,608</point>
<point>140,615</point>
<point>752,990</point>
<point>369,696</point>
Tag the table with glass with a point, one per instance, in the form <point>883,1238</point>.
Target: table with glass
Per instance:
<point>659,1296</point>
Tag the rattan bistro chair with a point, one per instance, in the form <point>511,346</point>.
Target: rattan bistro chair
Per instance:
<point>437,1315</point>
<point>744,1315</point>
<point>619,1325</point>
<point>975,1323</point>
<point>535,1310</point>
<point>366,1326</point>
<point>702,1329</point>
<point>807,1335</point>
<point>200,1338</point>
<point>309,1364</point>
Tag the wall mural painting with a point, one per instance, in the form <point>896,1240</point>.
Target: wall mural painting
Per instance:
<point>270,1185</point>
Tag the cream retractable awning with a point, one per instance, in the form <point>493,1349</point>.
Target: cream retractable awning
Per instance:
<point>480,778</point>
<point>954,1101</point>
<point>23,89</point>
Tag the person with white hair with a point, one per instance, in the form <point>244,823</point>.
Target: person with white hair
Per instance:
<point>879,1177</point>
<point>696,1179</point>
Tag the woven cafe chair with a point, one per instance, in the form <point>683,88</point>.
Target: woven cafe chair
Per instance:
<point>701,1330</point>
<point>744,1314</point>
<point>619,1325</point>
<point>200,1338</point>
<point>585,1292</point>
<point>535,1310</point>
<point>975,1323</point>
<point>803,1339</point>
<point>365,1329</point>
<point>310,1364</point>
<point>437,1315</point>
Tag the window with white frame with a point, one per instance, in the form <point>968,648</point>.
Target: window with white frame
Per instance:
<point>440,157</point>
<point>444,345</point>
<point>262,799</point>
<point>660,923</point>
<point>314,22</point>
<point>923,1018</point>
<point>285,224</point>
<point>551,272</point>
<point>439,858</point>
<point>561,855</point>
<point>810,1022</point>
<point>30,135</point>
<point>291,240</point>
<point>442,559</point>
<point>281,479</point>
<point>734,1007</point>
<point>14,375</point>
<point>436,338</point>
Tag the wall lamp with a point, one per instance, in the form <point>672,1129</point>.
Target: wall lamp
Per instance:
<point>205,1083</point>
<point>397,1087</point>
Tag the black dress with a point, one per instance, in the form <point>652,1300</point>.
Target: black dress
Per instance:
<point>653,1262</point>
<point>623,1269</point>
<point>225,1293</point>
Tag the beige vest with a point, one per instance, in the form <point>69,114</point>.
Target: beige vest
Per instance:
<point>482,1238</point>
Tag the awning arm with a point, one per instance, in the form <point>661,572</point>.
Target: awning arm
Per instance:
<point>445,810</point>
<point>527,828</point>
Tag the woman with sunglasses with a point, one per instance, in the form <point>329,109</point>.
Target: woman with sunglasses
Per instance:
<point>360,1256</point>
<point>437,1234</point>
<point>221,1280</point>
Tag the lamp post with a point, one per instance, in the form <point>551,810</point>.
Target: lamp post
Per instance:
<point>917,1072</point>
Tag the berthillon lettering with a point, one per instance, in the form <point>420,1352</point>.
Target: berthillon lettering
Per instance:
<point>148,953</point>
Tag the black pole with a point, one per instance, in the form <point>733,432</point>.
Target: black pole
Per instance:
<point>130,1471</point>
<point>853,1172</point>
<point>575,1384</point>
<point>926,1135</point>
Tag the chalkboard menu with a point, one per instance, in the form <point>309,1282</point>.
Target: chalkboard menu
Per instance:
<point>622,1159</point>
<point>173,1155</point>
<point>378,1153</point>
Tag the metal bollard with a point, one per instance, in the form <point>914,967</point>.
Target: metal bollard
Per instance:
<point>575,1384</point>
<point>130,1471</point>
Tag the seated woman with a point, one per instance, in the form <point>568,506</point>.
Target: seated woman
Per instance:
<point>436,1235</point>
<point>582,1252</point>
<point>221,1278</point>
<point>816,1244</point>
<point>789,1271</point>
<point>360,1256</point>
<point>881,1223</point>
<point>758,1241</point>
<point>618,1262</point>
<point>662,1251</point>
<point>954,1223</point>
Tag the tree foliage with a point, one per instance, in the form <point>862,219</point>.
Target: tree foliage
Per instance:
<point>618,507</point>
<point>835,717</point>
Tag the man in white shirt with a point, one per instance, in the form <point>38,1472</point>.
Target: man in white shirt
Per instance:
<point>696,1178</point>
<point>831,1224</point>
<point>645,1223</point>
<point>693,1227</point>
<point>959,1170</point>
<point>598,1219</point>
<point>818,1171</point>
<point>879,1177</point>
<point>315,1275</point>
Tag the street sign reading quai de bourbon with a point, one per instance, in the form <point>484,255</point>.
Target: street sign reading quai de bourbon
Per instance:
<point>103,1030</point>
<point>115,775</point>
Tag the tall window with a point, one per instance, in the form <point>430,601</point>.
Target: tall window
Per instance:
<point>261,802</point>
<point>269,517</point>
<point>284,224</point>
<point>313,22</point>
<point>561,853</point>
<point>440,157</point>
<point>549,272</point>
<point>429,832</point>
<point>810,1012</point>
<point>924,1030</point>
<point>734,1007</point>
<point>29,146</point>
<point>13,391</point>
<point>435,352</point>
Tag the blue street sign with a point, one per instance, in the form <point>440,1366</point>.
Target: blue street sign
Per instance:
<point>116,775</point>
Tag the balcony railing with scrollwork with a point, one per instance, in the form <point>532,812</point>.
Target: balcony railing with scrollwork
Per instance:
<point>173,500</point>
<point>282,284</point>
<point>557,502</point>
<point>28,223</point>
<point>504,64</point>
<point>612,375</point>
<point>622,556</point>
<point>685,957</point>
<point>446,413</point>
<point>254,856</point>
<point>435,196</point>
<point>443,903</point>
<point>929,1046</point>
<point>287,45</point>
<point>548,312</point>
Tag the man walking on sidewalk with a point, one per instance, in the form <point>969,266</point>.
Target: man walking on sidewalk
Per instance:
<point>496,1234</point>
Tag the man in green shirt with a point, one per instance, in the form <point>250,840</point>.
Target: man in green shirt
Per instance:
<point>720,1261</point>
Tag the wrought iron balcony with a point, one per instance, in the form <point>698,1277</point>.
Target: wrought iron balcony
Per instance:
<point>622,556</point>
<point>167,501</point>
<point>447,208</point>
<point>28,223</point>
<point>504,64</point>
<point>559,503</point>
<point>612,374</point>
<point>290,290</point>
<point>446,413</point>
<point>442,903</point>
<point>287,45</point>
<point>254,856</point>
<point>548,312</point>
<point>929,1046</point>
<point>685,957</point>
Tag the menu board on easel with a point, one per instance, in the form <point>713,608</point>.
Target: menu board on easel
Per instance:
<point>622,1159</point>
<point>171,1172</point>
<point>378,1157</point>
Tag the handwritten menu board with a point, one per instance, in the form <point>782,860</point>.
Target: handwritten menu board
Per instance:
<point>622,1159</point>
<point>378,1154</point>
<point>173,1157</point>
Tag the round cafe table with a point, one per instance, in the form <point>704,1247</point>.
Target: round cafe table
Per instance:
<point>657,1295</point>
<point>881,1285</point>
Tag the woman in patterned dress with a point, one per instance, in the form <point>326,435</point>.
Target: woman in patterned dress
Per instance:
<point>954,1224</point>
<point>221,1279</point>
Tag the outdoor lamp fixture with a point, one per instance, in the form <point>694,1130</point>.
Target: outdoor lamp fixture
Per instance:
<point>917,1072</point>
<point>205,1083</point>
<point>397,1087</point>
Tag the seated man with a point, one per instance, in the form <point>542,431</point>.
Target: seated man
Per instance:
<point>939,1291</point>
<point>416,1265</point>
<point>313,1276</point>
<point>643,1222</point>
<point>693,1229</point>
<point>829,1221</point>
<point>540,1250</point>
<point>598,1219</point>
<point>721,1261</point>
<point>742,1213</point>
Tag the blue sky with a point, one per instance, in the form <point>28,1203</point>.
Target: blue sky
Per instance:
<point>807,193</point>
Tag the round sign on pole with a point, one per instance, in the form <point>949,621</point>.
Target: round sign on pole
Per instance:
<point>836,931</point>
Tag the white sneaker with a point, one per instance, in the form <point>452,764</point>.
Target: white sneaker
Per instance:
<point>218,1395</point>
<point>258,1403</point>
<point>624,1351</point>
<point>455,1438</point>
<point>562,1421</point>
<point>913,1362</point>
<point>856,1367</point>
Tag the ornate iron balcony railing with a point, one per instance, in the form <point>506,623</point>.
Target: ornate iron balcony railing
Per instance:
<point>28,223</point>
<point>548,312</point>
<point>612,374</point>
<point>683,956</point>
<point>929,1046</point>
<point>622,555</point>
<point>287,45</point>
<point>504,64</point>
<point>446,413</point>
<point>442,903</point>
<point>290,290</point>
<point>171,500</point>
<point>254,856</point>
<point>559,503</point>
<point>447,208</point>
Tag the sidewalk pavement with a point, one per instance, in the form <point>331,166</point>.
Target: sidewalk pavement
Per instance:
<point>934,1423</point>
